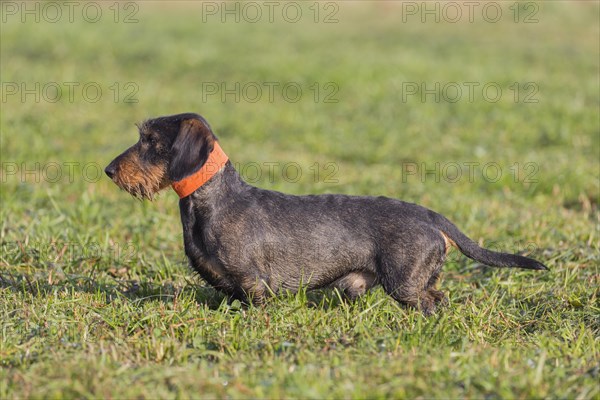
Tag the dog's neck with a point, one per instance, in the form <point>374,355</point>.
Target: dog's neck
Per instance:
<point>207,202</point>
<point>225,183</point>
<point>215,163</point>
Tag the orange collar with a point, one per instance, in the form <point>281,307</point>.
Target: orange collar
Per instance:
<point>216,161</point>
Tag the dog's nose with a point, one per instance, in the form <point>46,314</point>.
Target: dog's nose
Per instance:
<point>110,170</point>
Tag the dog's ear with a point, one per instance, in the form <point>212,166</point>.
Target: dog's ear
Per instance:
<point>191,149</point>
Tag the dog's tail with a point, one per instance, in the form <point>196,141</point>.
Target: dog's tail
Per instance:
<point>453,236</point>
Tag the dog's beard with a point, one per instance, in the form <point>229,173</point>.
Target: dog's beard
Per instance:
<point>145,185</point>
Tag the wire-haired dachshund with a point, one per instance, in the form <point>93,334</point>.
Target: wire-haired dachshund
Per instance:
<point>251,243</point>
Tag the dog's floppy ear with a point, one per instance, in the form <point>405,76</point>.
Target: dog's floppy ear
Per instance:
<point>191,149</point>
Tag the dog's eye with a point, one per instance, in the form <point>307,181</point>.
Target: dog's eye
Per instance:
<point>146,139</point>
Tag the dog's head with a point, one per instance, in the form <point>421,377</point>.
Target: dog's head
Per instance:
<point>169,149</point>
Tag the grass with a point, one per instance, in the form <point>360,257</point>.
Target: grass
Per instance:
<point>96,299</point>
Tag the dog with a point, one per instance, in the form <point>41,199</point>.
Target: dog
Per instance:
<point>251,243</point>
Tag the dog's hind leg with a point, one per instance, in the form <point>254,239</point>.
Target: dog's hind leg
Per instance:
<point>409,273</point>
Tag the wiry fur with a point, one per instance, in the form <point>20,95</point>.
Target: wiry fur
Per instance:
<point>141,183</point>
<point>250,242</point>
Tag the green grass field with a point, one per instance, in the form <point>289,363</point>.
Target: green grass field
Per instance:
<point>96,299</point>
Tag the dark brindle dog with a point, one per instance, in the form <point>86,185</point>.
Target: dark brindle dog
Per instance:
<point>250,242</point>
